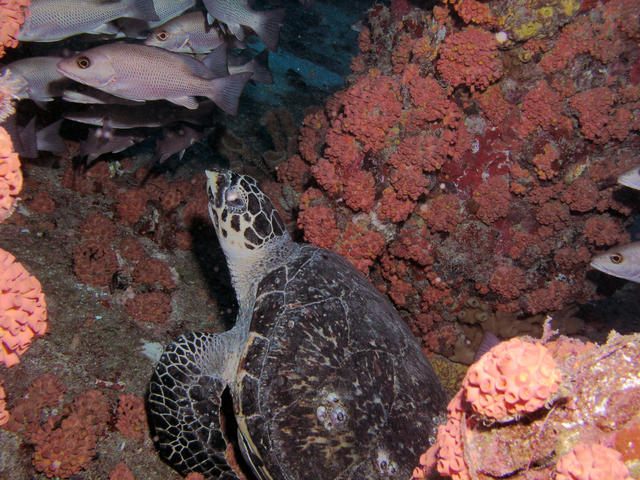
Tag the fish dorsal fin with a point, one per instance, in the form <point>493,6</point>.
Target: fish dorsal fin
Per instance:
<point>197,67</point>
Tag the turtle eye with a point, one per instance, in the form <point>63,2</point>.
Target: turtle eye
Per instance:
<point>616,258</point>
<point>83,62</point>
<point>234,198</point>
<point>162,36</point>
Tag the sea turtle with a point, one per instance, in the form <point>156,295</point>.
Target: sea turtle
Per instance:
<point>327,382</point>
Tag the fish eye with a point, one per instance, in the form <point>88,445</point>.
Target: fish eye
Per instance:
<point>162,36</point>
<point>83,62</point>
<point>616,258</point>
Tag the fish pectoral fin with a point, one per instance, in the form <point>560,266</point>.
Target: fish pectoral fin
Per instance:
<point>237,30</point>
<point>106,28</point>
<point>184,44</point>
<point>189,102</point>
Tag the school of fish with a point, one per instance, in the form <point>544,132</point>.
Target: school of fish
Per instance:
<point>139,51</point>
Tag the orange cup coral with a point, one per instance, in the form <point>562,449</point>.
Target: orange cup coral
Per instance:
<point>512,378</point>
<point>23,310</point>
<point>13,13</point>
<point>587,462</point>
<point>10,175</point>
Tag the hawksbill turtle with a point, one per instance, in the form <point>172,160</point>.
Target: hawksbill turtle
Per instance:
<point>327,382</point>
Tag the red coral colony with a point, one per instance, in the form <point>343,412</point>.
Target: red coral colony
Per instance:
<point>498,133</point>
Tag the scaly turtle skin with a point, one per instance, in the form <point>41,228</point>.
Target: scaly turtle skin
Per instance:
<point>327,381</point>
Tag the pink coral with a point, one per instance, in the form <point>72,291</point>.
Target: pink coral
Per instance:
<point>603,231</point>
<point>23,309</point>
<point>94,409</point>
<point>98,227</point>
<point>94,263</point>
<point>493,104</point>
<point>10,175</point>
<point>414,242</point>
<point>547,299</point>
<point>360,246</point>
<point>473,11</point>
<point>492,197</point>
<point>132,418</point>
<point>512,378</point>
<point>470,57</point>
<point>593,108</point>
<point>45,392</point>
<point>194,476</point>
<point>450,459</point>
<point>132,204</point>
<point>594,461</point>
<point>359,190</point>
<point>153,307</point>
<point>547,163</point>
<point>554,214</point>
<point>429,98</point>
<point>13,15</point>
<point>508,281</point>
<point>317,220</point>
<point>442,213</point>
<point>423,151</point>
<point>65,446</point>
<point>294,171</point>
<point>541,107</point>
<point>42,202</point>
<point>154,273</point>
<point>392,207</point>
<point>64,451</point>
<point>121,472</point>
<point>409,183</point>
<point>582,195</point>
<point>371,109</point>
<point>594,379</point>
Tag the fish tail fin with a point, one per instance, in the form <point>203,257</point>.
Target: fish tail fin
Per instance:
<point>24,140</point>
<point>216,61</point>
<point>49,140</point>
<point>143,10</point>
<point>268,27</point>
<point>226,91</point>
<point>260,68</point>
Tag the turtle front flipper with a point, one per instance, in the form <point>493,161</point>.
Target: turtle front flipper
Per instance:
<point>185,397</point>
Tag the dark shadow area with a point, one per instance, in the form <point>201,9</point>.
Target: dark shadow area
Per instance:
<point>213,266</point>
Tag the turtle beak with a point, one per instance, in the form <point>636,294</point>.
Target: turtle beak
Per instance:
<point>217,181</point>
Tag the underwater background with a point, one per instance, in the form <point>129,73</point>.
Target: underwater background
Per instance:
<point>463,154</point>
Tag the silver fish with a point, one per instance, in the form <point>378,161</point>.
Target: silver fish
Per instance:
<point>169,9</point>
<point>236,13</point>
<point>622,262</point>
<point>258,66</point>
<point>140,72</point>
<point>88,95</point>
<point>27,141</point>
<point>221,65</point>
<point>41,79</point>
<point>176,141</point>
<point>53,20</point>
<point>105,140</point>
<point>149,115</point>
<point>189,33</point>
<point>630,178</point>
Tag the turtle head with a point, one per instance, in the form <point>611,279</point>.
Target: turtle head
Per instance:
<point>244,218</point>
